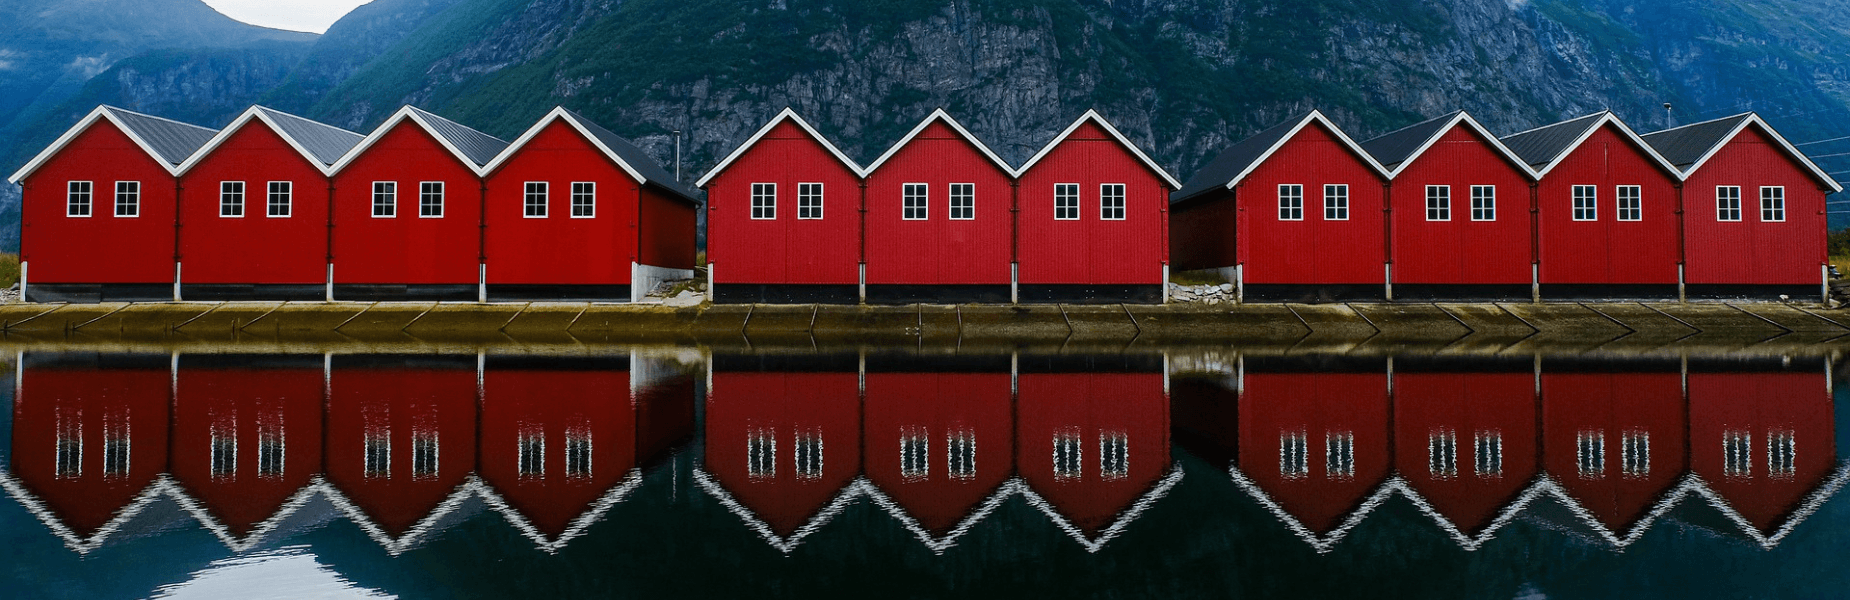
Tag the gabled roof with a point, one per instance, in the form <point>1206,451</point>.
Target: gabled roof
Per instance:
<point>322,144</point>
<point>786,115</point>
<point>633,160</point>
<point>169,142</point>
<point>1239,160</point>
<point>1093,116</point>
<point>1544,147</point>
<point>1690,146</point>
<point>940,115</point>
<point>474,148</point>
<point>1399,148</point>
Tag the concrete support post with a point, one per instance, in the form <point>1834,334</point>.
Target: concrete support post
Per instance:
<point>481,283</point>
<point>1015,283</point>
<point>1387,276</point>
<point>176,281</point>
<point>1682,291</point>
<point>861,290</point>
<point>1165,284</point>
<point>1535,283</point>
<point>25,269</point>
<point>330,285</point>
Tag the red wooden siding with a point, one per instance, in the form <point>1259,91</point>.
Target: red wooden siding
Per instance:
<point>554,406</point>
<point>1756,405</point>
<point>1203,232</point>
<point>254,248</point>
<point>244,406</point>
<point>90,406</point>
<point>1459,250</point>
<point>1315,249</point>
<point>407,249</point>
<point>785,250</point>
<point>101,248</point>
<point>1753,251</point>
<point>784,407</point>
<point>1431,404</point>
<point>938,249</point>
<point>1314,407</point>
<point>400,404</point>
<point>665,230</point>
<point>1609,407</point>
<point>1089,407</point>
<point>559,248</point>
<point>1607,250</point>
<point>936,407</point>
<point>1090,250</point>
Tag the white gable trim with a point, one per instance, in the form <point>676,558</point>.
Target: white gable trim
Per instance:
<point>1313,117</point>
<point>1754,119</point>
<point>559,113</point>
<point>940,115</point>
<point>790,115</point>
<point>258,113</point>
<point>1093,116</point>
<point>101,112</point>
<point>1464,118</point>
<point>1607,118</point>
<point>406,112</point>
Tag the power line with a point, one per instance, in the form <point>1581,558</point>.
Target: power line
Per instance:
<point>1847,137</point>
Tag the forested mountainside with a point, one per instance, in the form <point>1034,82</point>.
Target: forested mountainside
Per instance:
<point>1184,78</point>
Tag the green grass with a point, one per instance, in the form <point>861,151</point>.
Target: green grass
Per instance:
<point>9,270</point>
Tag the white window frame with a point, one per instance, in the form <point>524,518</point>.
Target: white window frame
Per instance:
<point>1338,454</point>
<point>270,204</point>
<point>229,199</point>
<point>1439,205</point>
<point>424,197</point>
<point>1586,202</point>
<point>1484,203</point>
<point>963,201</point>
<point>1336,202</point>
<point>909,193</point>
<point>1066,200</point>
<point>1634,194</point>
<point>764,202</point>
<point>587,192</point>
<point>1773,204</point>
<point>1724,194</point>
<point>1111,200</point>
<point>810,197</point>
<point>72,196</point>
<point>531,191</point>
<point>133,195</point>
<point>389,191</point>
<point>1290,202</point>
<point>1114,455</point>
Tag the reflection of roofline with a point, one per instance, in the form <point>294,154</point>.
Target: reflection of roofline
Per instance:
<point>939,544</point>
<point>76,543</point>
<point>783,544</point>
<point>1509,513</point>
<point>1323,544</point>
<point>259,531</point>
<point>413,536</point>
<point>1144,502</point>
<point>578,525</point>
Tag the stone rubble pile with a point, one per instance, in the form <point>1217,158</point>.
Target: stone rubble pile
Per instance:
<point>1202,294</point>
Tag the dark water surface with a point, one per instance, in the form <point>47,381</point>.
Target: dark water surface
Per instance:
<point>679,473</point>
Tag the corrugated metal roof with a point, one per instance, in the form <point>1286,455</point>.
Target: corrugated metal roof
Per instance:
<point>326,142</point>
<point>652,172</point>
<point>1685,145</point>
<point>1396,146</point>
<point>481,148</point>
<point>1541,146</point>
<point>172,140</point>
<point>1234,160</point>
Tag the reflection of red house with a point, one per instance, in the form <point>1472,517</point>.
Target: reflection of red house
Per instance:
<point>938,444</point>
<point>1615,440</point>
<point>1763,441</point>
<point>783,444</point>
<point>90,433</point>
<point>1091,444</point>
<point>401,434</point>
<point>1466,441</point>
<point>1317,443</point>
<point>247,437</point>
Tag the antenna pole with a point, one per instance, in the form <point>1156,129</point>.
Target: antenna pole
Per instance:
<point>677,156</point>
<point>1669,121</point>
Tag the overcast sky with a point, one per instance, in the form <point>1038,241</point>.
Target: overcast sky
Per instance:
<point>298,15</point>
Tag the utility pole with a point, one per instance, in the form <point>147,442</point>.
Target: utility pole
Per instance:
<point>677,156</point>
<point>1669,122</point>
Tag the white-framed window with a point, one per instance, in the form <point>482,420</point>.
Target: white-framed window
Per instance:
<point>224,452</point>
<point>1489,454</point>
<point>1483,203</point>
<point>1339,454</point>
<point>1631,203</point>
<point>915,201</point>
<point>424,454</point>
<point>1290,202</point>
<point>764,201</point>
<point>963,201</point>
<point>1066,201</point>
<point>1114,455</point>
<point>1635,453</point>
<point>77,198</point>
<point>536,197</point>
<point>530,452</point>
<point>1111,201</point>
<point>376,454</point>
<point>231,198</point>
<point>809,454</point>
<point>1293,455</point>
<point>1590,454</point>
<point>430,200</point>
<point>578,453</point>
<point>809,201</point>
<point>1586,203</point>
<point>1438,203</point>
<point>1336,202</point>
<point>960,454</point>
<point>761,454</point>
<point>1442,453</point>
<point>1727,203</point>
<point>1737,453</point>
<point>1772,204</point>
<point>385,199</point>
<point>282,195</point>
<point>1068,454</point>
<point>584,199</point>
<point>128,198</point>
<point>1779,454</point>
<point>915,455</point>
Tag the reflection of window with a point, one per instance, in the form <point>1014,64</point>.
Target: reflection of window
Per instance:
<point>532,453</point>
<point>1489,455</point>
<point>1442,453</point>
<point>960,454</point>
<point>1590,451</point>
<point>809,454</point>
<point>1292,462</point>
<point>1339,454</point>
<point>378,454</point>
<point>761,454</point>
<point>578,452</point>
<point>115,445</point>
<point>1779,454</point>
<point>1114,455</point>
<point>269,452</point>
<point>914,455</point>
<point>424,454</point>
<point>70,449</point>
<point>1637,453</point>
<point>1737,453</point>
<point>1067,453</point>
<point>224,452</point>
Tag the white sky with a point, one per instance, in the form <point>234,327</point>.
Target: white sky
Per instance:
<point>297,15</point>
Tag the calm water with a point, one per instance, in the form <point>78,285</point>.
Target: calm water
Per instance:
<point>921,475</point>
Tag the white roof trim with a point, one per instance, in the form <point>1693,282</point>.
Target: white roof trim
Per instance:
<point>940,115</point>
<point>1313,117</point>
<point>1465,118</point>
<point>557,114</point>
<point>1754,119</point>
<point>1606,117</point>
<point>258,113</point>
<point>1322,543</point>
<point>100,112</point>
<point>406,112</point>
<point>786,114</point>
<point>1092,115</point>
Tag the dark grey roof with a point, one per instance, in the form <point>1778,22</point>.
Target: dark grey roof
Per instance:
<point>1685,145</point>
<point>1542,145</point>
<point>172,140</point>
<point>645,165</point>
<point>1234,160</point>
<point>1397,146</point>
<point>326,142</point>
<point>481,148</point>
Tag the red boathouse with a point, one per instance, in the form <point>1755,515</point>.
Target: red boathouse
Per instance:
<point>1315,441</point>
<point>781,446</point>
<point>1291,213</point>
<point>576,212</point>
<point>401,438</point>
<point>246,437</point>
<point>1614,439</point>
<point>1093,224</point>
<point>1092,445</point>
<point>1460,209</point>
<point>940,216</point>
<point>1762,440</point>
<point>1468,459</point>
<point>1753,210</point>
<point>407,211</point>
<point>90,435</point>
<point>938,443</point>
<point>784,221</point>
<point>254,209</point>
<point>97,216</point>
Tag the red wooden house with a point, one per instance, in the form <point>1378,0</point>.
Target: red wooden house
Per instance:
<point>1460,209</point>
<point>1293,212</point>
<point>557,435</point>
<point>407,211</point>
<point>783,219</point>
<point>1607,202</point>
<point>576,212</point>
<point>254,209</point>
<point>938,443</point>
<point>940,218</point>
<point>1466,441</point>
<point>90,435</point>
<point>246,435</point>
<point>1316,442</point>
<point>401,437</point>
<point>1615,440</point>
<point>1093,224</point>
<point>1092,445</point>
<point>1763,441</point>
<point>1753,209</point>
<point>783,445</point>
<point>97,218</point>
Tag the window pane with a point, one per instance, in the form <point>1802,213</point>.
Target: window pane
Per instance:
<point>1483,203</point>
<point>1772,204</point>
<point>915,455</point>
<point>430,199</point>
<point>764,201</point>
<point>914,199</point>
<point>809,454</point>
<point>1111,201</point>
<point>231,199</point>
<point>281,196</point>
<point>1068,455</point>
<point>1586,203</point>
<point>584,199</point>
<point>1290,203</point>
<point>960,454</point>
<point>1631,203</point>
<point>1113,455</point>
<point>1066,201</point>
<point>1728,203</point>
<point>1293,459</point>
<point>77,203</point>
<point>809,201</point>
<point>385,199</point>
<point>1339,454</point>
<point>536,199</point>
<point>1336,202</point>
<point>963,201</point>
<point>1438,203</point>
<point>128,198</point>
